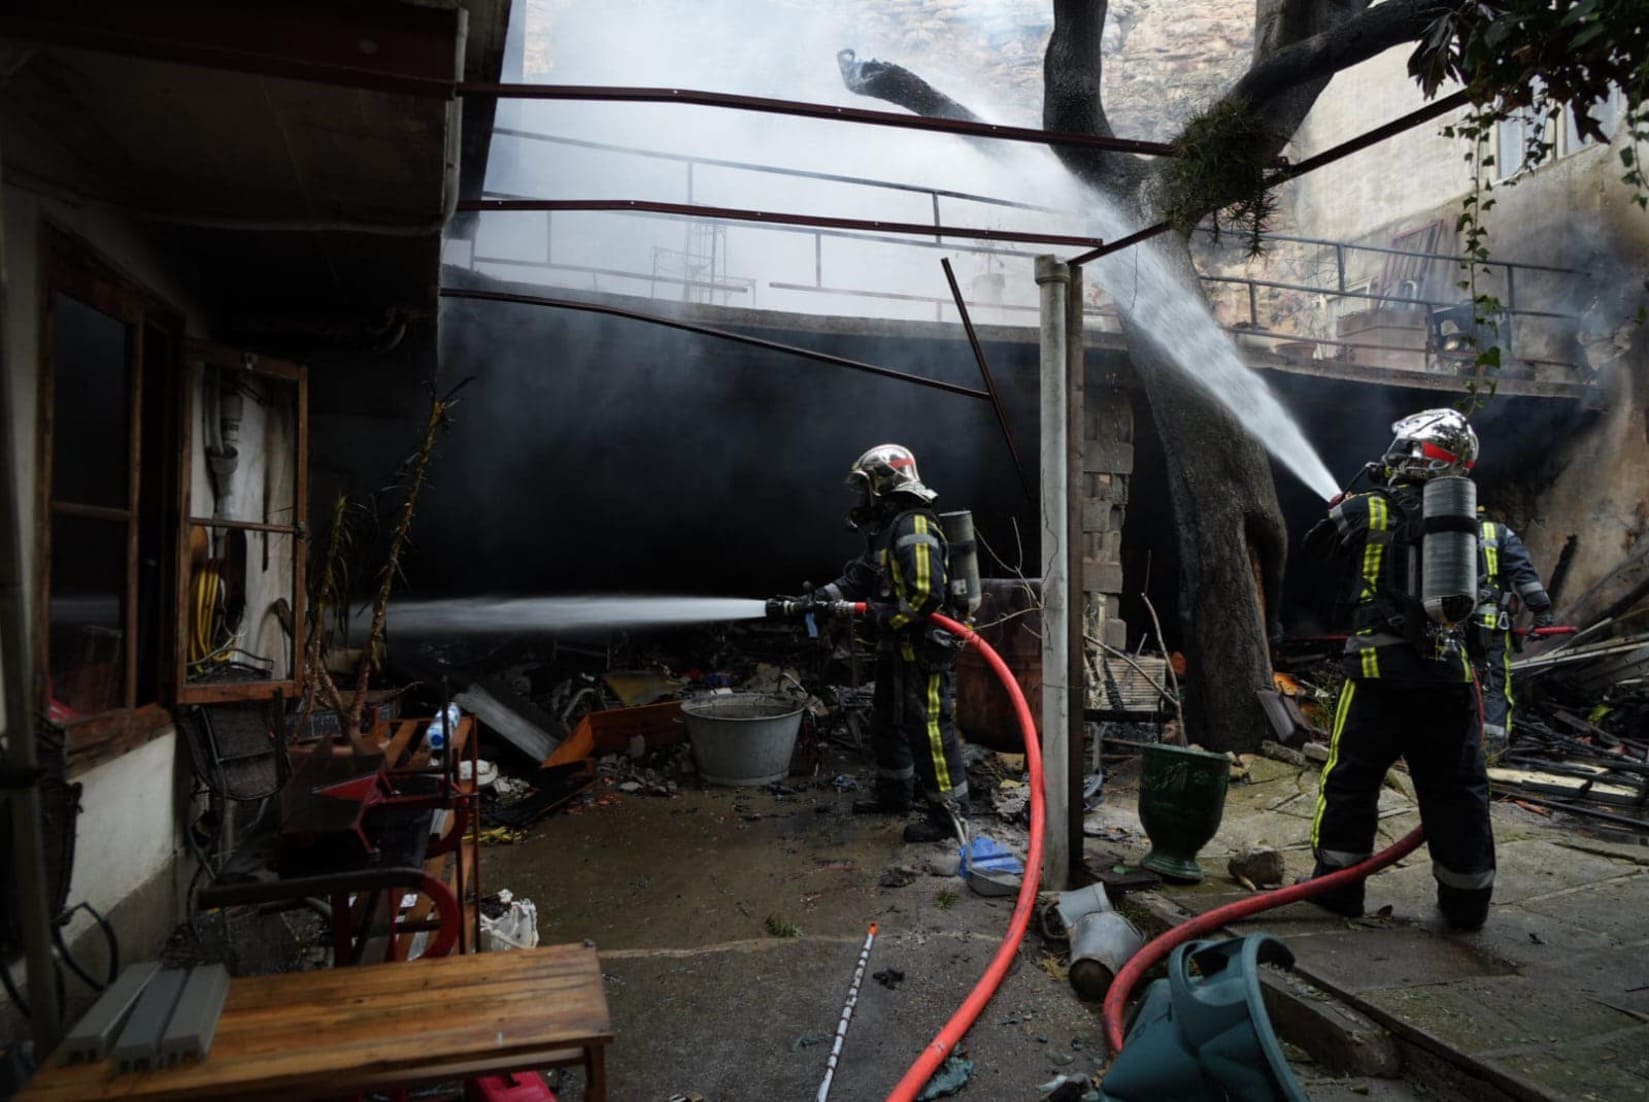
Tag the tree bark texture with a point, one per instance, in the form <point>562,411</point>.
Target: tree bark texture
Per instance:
<point>1232,541</point>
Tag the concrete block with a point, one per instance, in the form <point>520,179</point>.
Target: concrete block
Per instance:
<point>1102,577</point>
<point>1108,455</point>
<point>195,1018</point>
<point>139,1044</point>
<point>1115,633</point>
<point>94,1033</point>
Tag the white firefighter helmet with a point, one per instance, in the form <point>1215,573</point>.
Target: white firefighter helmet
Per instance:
<point>887,469</point>
<point>1431,443</point>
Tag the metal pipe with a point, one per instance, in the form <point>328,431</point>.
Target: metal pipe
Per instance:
<point>990,383</point>
<point>1053,279</point>
<point>709,331</point>
<point>776,170</point>
<point>1076,666</point>
<point>595,93</point>
<point>739,214</point>
<point>28,853</point>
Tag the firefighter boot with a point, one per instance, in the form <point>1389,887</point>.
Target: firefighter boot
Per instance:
<point>889,797</point>
<point>1464,909</point>
<point>1346,901</point>
<point>937,823</point>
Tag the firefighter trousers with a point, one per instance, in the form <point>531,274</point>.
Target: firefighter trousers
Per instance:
<point>1434,726</point>
<point>913,733</point>
<point>1495,675</point>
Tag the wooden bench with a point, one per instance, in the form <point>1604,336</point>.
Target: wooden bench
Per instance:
<point>344,1031</point>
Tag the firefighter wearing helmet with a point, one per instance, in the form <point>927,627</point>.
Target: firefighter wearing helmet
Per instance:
<point>904,576</point>
<point>1409,689</point>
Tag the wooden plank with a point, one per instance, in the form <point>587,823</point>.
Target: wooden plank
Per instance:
<point>405,731</point>
<point>344,1031</point>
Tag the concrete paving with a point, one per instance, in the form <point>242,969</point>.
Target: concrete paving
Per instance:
<point>677,893</point>
<point>1549,1001</point>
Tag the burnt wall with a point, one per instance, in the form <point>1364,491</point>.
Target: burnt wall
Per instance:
<point>601,454</point>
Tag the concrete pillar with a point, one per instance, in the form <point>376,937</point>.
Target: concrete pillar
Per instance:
<point>1052,280</point>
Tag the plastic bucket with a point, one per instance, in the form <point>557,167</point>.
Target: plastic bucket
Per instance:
<point>744,738</point>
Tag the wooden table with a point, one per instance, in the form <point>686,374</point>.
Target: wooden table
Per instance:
<point>344,1031</point>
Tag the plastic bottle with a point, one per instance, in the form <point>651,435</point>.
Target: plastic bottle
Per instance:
<point>440,729</point>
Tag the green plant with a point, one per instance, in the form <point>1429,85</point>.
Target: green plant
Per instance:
<point>778,926</point>
<point>1221,166</point>
<point>945,900</point>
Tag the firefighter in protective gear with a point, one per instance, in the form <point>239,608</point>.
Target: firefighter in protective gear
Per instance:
<point>904,577</point>
<point>1409,690</point>
<point>1506,577</point>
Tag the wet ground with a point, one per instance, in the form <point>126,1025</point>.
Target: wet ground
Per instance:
<point>678,894</point>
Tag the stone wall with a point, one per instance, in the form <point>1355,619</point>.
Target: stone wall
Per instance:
<point>1163,58</point>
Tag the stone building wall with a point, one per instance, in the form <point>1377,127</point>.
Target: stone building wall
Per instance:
<point>1163,58</point>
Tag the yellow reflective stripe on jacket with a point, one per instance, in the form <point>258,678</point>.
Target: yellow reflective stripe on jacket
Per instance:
<point>1374,551</point>
<point>924,562</point>
<point>1491,553</point>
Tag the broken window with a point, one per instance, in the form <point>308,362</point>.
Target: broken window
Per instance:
<point>106,454</point>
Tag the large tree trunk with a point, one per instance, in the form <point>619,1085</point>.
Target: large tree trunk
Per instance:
<point>1230,534</point>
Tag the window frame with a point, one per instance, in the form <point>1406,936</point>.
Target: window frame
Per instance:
<point>69,265</point>
<point>215,356</point>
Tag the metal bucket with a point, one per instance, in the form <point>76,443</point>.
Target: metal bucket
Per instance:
<point>1101,943</point>
<point>744,738</point>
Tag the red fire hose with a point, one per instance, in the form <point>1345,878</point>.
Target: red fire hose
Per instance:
<point>960,1022</point>
<point>1116,999</point>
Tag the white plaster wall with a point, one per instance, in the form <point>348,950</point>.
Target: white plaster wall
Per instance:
<point>128,830</point>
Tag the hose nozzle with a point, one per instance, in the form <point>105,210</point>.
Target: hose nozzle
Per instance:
<point>782,608</point>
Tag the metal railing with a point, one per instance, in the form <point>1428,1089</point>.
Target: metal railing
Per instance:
<point>1338,285</point>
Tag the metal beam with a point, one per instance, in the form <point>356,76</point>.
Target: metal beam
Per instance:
<point>597,93</point>
<point>709,331</point>
<point>990,383</point>
<point>406,49</point>
<point>773,218</point>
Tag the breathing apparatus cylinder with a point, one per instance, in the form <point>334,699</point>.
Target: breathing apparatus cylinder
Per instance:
<point>965,591</point>
<point>1448,550</point>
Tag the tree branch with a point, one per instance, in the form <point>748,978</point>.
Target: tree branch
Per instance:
<point>1298,47</point>
<point>1071,100</point>
<point>899,86</point>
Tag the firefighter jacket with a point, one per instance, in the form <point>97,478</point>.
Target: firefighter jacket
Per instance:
<point>1377,535</point>
<point>903,575</point>
<point>1504,570</point>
